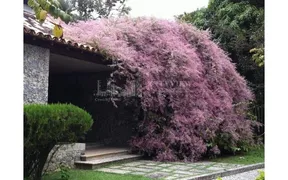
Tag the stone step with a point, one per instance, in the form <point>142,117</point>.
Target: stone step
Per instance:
<point>90,146</point>
<point>97,153</point>
<point>92,164</point>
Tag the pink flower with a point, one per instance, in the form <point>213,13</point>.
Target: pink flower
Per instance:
<point>195,77</point>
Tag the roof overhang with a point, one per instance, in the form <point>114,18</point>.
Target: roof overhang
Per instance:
<point>62,47</point>
<point>40,35</point>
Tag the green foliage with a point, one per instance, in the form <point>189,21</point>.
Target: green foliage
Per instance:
<point>258,56</point>
<point>219,178</point>
<point>196,17</point>
<point>94,175</point>
<point>257,3</point>
<point>65,123</point>
<point>51,6</point>
<point>261,175</point>
<point>255,155</point>
<point>47,125</point>
<point>64,172</point>
<point>93,9</point>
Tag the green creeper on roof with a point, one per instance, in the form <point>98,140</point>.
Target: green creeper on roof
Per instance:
<point>52,7</point>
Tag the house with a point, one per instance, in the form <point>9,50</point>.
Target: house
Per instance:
<point>59,70</point>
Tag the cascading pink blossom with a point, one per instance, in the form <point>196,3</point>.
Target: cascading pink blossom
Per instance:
<point>181,69</point>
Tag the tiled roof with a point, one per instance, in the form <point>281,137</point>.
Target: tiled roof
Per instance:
<point>44,31</point>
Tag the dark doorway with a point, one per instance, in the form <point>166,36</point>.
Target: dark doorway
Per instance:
<point>77,82</point>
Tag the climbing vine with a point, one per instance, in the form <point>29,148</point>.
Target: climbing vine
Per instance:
<point>193,100</point>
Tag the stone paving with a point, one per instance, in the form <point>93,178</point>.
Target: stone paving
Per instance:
<point>168,171</point>
<point>250,175</point>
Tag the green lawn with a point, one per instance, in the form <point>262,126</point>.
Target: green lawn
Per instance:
<point>93,175</point>
<point>251,157</point>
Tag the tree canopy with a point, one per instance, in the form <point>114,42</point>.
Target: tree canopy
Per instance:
<point>42,7</point>
<point>73,10</point>
<point>93,9</point>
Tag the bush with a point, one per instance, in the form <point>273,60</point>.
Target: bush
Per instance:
<point>64,172</point>
<point>47,125</point>
<point>261,176</point>
<point>194,102</point>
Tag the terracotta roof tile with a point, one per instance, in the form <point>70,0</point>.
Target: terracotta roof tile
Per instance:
<point>44,31</point>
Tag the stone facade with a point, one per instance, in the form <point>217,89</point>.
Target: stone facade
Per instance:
<point>66,154</point>
<point>36,74</point>
<point>36,83</point>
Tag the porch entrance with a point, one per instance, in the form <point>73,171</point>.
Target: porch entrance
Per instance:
<point>77,82</point>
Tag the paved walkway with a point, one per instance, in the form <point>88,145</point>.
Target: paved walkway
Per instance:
<point>168,171</point>
<point>249,175</point>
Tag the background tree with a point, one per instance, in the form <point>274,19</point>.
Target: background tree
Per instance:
<point>42,7</point>
<point>257,3</point>
<point>73,10</point>
<point>93,9</point>
<point>238,27</point>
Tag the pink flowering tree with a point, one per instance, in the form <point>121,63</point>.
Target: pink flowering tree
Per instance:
<point>193,100</point>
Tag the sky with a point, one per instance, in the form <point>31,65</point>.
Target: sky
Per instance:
<point>165,9</point>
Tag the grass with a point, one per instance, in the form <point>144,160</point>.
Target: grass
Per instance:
<point>92,175</point>
<point>252,157</point>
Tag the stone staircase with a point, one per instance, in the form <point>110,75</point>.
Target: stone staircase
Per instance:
<point>99,156</point>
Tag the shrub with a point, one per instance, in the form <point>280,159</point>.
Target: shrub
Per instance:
<point>261,176</point>
<point>64,172</point>
<point>193,100</point>
<point>47,125</point>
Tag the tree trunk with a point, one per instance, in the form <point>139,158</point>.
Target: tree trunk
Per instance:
<point>42,160</point>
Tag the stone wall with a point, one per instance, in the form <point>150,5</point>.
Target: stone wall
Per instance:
<point>66,154</point>
<point>36,82</point>
<point>36,74</point>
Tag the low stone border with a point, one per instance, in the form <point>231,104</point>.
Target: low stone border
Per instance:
<point>228,172</point>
